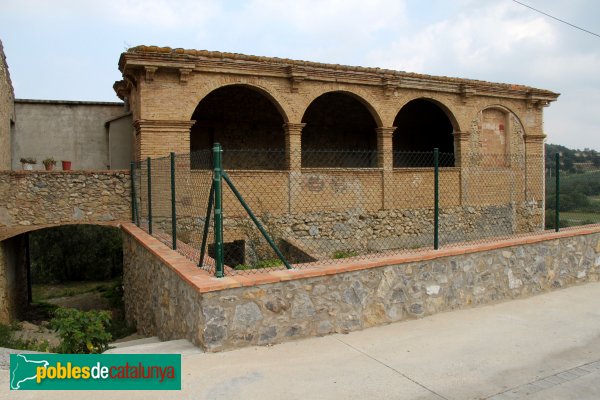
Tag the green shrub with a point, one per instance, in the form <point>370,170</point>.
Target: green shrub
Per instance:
<point>344,254</point>
<point>82,332</point>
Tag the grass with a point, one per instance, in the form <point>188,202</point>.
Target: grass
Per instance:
<point>580,217</point>
<point>45,291</point>
<point>344,254</point>
<point>271,263</point>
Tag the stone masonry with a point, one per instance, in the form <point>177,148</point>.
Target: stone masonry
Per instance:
<point>32,200</point>
<point>167,296</point>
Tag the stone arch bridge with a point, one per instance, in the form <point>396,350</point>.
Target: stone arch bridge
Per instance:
<point>33,200</point>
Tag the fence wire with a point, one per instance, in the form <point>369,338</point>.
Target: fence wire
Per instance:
<point>322,206</point>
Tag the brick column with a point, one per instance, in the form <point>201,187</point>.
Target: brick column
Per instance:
<point>385,161</point>
<point>461,149</point>
<point>293,146</point>
<point>461,160</point>
<point>157,138</point>
<point>385,156</point>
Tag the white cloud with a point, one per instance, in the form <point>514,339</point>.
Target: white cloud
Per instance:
<point>494,40</point>
<point>474,40</point>
<point>161,14</point>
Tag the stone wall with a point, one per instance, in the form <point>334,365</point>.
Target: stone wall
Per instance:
<point>63,197</point>
<point>7,112</point>
<point>13,278</point>
<point>171,298</point>
<point>157,300</point>
<point>321,234</point>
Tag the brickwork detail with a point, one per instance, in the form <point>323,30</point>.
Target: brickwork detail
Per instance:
<point>293,85</point>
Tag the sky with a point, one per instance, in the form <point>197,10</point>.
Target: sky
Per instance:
<point>69,49</point>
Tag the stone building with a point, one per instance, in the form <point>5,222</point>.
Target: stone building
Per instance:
<point>490,133</point>
<point>7,111</point>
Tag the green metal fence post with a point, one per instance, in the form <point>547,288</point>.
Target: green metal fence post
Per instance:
<point>149,196</point>
<point>436,205</point>
<point>173,207</point>
<point>557,199</point>
<point>218,183</point>
<point>132,176</point>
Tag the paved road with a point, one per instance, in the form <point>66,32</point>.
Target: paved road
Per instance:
<point>544,347</point>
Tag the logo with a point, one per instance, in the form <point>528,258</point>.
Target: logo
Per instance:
<point>95,372</point>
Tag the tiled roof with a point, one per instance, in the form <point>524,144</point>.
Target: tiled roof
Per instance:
<point>196,54</point>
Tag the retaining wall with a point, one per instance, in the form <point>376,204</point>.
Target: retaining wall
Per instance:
<point>166,295</point>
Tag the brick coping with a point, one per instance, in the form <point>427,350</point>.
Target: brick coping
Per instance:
<point>204,282</point>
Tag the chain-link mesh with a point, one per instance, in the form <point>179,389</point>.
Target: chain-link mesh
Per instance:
<point>321,206</point>
<point>579,195</point>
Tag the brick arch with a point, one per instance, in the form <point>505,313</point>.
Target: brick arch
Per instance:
<point>486,138</point>
<point>362,96</point>
<point>423,124</point>
<point>443,105</point>
<point>504,109</point>
<point>281,103</point>
<point>8,233</point>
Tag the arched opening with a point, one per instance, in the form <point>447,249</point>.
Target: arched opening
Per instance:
<point>339,133</point>
<point>422,125</point>
<point>67,267</point>
<point>245,122</point>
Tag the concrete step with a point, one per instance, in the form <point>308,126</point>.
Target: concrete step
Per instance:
<point>152,345</point>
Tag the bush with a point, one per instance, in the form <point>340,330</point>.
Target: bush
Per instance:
<point>82,332</point>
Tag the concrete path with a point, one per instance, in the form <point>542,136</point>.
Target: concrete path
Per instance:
<point>544,347</point>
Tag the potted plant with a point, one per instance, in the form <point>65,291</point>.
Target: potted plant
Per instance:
<point>49,163</point>
<point>28,163</point>
<point>66,165</point>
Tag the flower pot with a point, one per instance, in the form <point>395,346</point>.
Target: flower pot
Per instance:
<point>66,165</point>
<point>27,166</point>
<point>49,167</point>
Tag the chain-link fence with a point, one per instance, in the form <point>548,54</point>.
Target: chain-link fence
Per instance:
<point>578,200</point>
<point>347,204</point>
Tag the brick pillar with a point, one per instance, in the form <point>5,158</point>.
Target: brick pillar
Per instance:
<point>461,149</point>
<point>157,138</point>
<point>385,156</point>
<point>385,161</point>
<point>293,146</point>
<point>461,160</point>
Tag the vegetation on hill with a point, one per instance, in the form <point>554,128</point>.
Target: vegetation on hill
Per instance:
<point>579,195</point>
<point>572,160</point>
